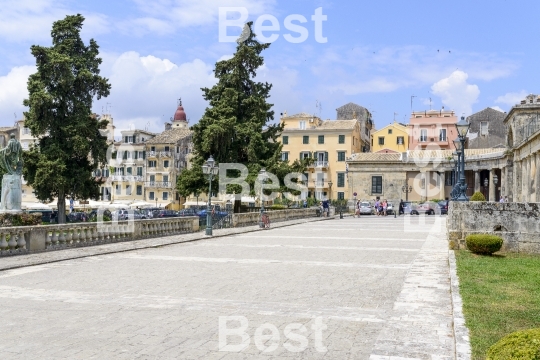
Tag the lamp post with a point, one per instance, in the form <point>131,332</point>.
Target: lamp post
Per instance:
<point>495,181</point>
<point>262,176</point>
<point>330,183</point>
<point>462,130</point>
<point>486,184</point>
<point>406,189</point>
<point>209,169</point>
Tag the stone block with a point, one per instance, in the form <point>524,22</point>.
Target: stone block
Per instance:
<point>35,239</point>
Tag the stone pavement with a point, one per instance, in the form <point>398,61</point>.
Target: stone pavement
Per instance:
<point>368,288</point>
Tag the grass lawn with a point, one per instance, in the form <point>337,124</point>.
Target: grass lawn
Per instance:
<point>501,294</point>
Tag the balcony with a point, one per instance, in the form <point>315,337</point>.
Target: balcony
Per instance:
<point>130,178</point>
<point>151,154</point>
<point>159,184</point>
<point>165,154</point>
<point>318,185</point>
<point>319,164</point>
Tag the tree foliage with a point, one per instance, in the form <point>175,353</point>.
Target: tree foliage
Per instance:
<point>237,126</point>
<point>59,113</point>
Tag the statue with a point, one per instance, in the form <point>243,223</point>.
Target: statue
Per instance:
<point>12,163</point>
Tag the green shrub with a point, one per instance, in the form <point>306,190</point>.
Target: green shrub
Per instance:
<point>477,196</point>
<point>524,345</point>
<point>277,207</point>
<point>483,244</point>
<point>24,219</point>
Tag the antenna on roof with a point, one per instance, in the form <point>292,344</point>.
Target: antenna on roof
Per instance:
<point>318,106</point>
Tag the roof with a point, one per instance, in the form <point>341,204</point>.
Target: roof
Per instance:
<point>170,136</point>
<point>424,154</point>
<point>338,124</point>
<point>397,125</point>
<point>300,115</point>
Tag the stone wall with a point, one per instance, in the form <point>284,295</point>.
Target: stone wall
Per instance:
<point>517,223</point>
<point>248,219</point>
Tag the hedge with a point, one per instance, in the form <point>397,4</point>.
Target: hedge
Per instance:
<point>524,345</point>
<point>483,244</point>
<point>24,219</point>
<point>477,196</point>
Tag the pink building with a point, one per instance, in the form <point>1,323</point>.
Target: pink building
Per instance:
<point>432,129</point>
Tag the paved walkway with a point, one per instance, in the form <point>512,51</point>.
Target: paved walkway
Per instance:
<point>369,288</point>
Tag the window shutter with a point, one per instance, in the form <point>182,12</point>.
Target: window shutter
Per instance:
<point>325,156</point>
<point>136,155</point>
<point>144,155</point>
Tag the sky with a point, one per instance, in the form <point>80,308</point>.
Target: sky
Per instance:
<point>389,56</point>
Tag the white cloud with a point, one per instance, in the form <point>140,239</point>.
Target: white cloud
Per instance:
<point>12,93</point>
<point>456,93</point>
<point>22,20</point>
<point>165,16</point>
<point>512,98</point>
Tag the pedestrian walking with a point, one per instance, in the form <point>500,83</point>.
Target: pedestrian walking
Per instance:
<point>385,207</point>
<point>401,205</point>
<point>377,207</point>
<point>326,208</point>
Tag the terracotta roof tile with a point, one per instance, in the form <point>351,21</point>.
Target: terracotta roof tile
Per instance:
<point>170,136</point>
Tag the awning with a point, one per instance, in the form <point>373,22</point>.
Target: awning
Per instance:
<point>194,203</point>
<point>141,204</point>
<point>34,206</point>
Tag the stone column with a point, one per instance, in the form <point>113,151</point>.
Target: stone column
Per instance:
<point>476,181</point>
<point>537,177</point>
<point>502,182</point>
<point>526,180</point>
<point>491,186</point>
<point>426,182</point>
<point>532,180</point>
<point>442,179</point>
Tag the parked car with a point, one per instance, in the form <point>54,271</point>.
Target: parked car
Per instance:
<point>390,209</point>
<point>188,212</point>
<point>408,207</point>
<point>164,214</point>
<point>443,207</point>
<point>366,208</point>
<point>428,208</point>
<point>120,215</point>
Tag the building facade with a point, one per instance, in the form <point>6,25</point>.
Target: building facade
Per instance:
<point>391,138</point>
<point>352,111</point>
<point>432,130</point>
<point>167,154</point>
<point>329,143</point>
<point>487,129</point>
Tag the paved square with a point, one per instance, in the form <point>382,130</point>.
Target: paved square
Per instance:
<point>379,285</point>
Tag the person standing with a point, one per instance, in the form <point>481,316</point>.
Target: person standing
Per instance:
<point>326,208</point>
<point>377,207</point>
<point>401,211</point>
<point>385,207</point>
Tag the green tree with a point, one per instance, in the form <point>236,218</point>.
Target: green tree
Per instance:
<point>236,127</point>
<point>59,114</point>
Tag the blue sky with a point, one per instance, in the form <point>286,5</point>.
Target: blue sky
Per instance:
<point>463,55</point>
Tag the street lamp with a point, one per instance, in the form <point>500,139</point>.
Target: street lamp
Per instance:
<point>209,169</point>
<point>462,128</point>
<point>406,189</point>
<point>495,181</point>
<point>262,176</point>
<point>486,183</point>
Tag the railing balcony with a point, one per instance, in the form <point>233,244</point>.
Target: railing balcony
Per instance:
<point>165,154</point>
<point>319,164</point>
<point>150,154</point>
<point>126,178</point>
<point>159,184</point>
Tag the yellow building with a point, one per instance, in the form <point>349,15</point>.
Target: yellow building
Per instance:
<point>329,143</point>
<point>393,138</point>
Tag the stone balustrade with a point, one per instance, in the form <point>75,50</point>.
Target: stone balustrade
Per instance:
<point>25,239</point>
<point>517,223</point>
<point>248,219</point>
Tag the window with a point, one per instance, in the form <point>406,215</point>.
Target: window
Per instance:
<point>320,179</point>
<point>167,148</point>
<point>152,178</point>
<point>118,189</point>
<point>341,196</point>
<point>140,155</point>
<point>165,195</point>
<point>423,135</point>
<point>484,128</point>
<point>285,140</point>
<point>26,131</point>
<point>128,189</point>
<point>376,184</point>
<point>400,140</point>
<point>129,171</point>
<point>381,140</point>
<point>139,171</point>
<point>449,178</point>
<point>341,156</point>
<point>321,139</point>
<point>304,155</point>
<point>166,163</point>
<point>442,135</point>
<point>302,125</point>
<point>165,178</point>
<point>152,148</point>
<point>152,163</point>
<point>340,180</point>
<point>389,131</point>
<point>151,195</point>
<point>284,156</point>
<point>139,189</point>
<point>341,139</point>
<point>305,139</point>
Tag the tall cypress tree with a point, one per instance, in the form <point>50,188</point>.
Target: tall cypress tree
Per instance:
<point>59,114</point>
<point>236,127</point>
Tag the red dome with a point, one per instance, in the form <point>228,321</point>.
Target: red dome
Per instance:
<point>180,114</point>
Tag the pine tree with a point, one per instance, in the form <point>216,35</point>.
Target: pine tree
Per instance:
<point>59,114</point>
<point>236,127</point>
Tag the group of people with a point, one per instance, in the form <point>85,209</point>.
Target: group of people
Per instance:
<point>381,208</point>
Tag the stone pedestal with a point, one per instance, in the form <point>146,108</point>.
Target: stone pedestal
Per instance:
<point>11,194</point>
